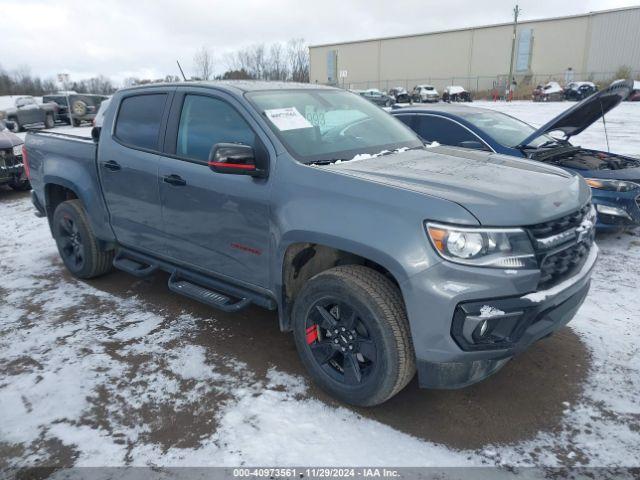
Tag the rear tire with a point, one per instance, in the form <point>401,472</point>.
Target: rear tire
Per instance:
<point>21,186</point>
<point>49,121</point>
<point>16,125</point>
<point>77,245</point>
<point>365,337</point>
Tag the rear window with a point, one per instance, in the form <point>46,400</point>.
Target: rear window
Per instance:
<point>139,118</point>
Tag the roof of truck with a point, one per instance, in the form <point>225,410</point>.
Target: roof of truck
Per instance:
<point>237,85</point>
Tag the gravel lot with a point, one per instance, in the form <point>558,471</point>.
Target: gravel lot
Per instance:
<point>120,371</point>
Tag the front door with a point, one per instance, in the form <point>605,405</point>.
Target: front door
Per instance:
<point>128,164</point>
<point>215,222</point>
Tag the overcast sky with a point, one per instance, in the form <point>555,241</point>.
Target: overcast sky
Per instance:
<point>143,38</point>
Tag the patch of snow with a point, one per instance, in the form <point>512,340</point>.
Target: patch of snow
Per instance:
<point>487,311</point>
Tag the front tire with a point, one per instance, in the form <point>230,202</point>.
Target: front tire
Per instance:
<point>352,335</point>
<point>77,245</point>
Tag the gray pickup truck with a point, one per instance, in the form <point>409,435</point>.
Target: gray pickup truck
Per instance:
<point>383,256</point>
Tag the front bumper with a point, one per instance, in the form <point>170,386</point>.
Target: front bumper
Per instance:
<point>12,171</point>
<point>616,209</point>
<point>434,298</point>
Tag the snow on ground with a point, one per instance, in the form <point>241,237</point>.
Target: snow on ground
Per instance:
<point>94,378</point>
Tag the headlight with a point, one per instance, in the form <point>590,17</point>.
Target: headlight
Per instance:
<point>17,151</point>
<point>612,185</point>
<point>483,247</point>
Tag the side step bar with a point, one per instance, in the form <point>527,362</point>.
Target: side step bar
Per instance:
<point>205,295</point>
<point>211,291</point>
<point>134,266</point>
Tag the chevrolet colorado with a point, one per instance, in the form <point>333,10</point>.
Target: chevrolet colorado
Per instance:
<point>381,255</point>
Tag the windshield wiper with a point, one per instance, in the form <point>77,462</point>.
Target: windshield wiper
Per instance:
<point>327,161</point>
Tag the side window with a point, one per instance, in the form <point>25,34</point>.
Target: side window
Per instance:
<point>408,120</point>
<point>139,118</point>
<point>205,121</point>
<point>443,131</point>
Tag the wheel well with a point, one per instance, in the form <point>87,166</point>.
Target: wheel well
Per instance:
<point>55,195</point>
<point>305,260</point>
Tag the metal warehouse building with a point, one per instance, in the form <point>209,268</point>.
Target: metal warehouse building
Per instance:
<point>595,45</point>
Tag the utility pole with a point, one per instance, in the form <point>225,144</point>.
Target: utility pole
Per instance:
<point>516,12</point>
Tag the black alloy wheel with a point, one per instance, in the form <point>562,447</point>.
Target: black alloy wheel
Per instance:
<point>340,342</point>
<point>72,248</point>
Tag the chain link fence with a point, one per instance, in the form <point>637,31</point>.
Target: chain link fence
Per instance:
<point>487,86</point>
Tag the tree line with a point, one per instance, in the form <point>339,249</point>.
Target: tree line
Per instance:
<point>277,61</point>
<point>283,61</point>
<point>22,82</point>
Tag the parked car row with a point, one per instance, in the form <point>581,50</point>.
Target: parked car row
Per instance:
<point>26,112</point>
<point>73,108</point>
<point>420,94</point>
<point>613,178</point>
<point>65,107</point>
<point>554,92</point>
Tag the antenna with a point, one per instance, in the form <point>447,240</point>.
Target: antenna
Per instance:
<point>604,122</point>
<point>181,71</point>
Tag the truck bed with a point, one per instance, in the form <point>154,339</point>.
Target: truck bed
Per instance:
<point>68,161</point>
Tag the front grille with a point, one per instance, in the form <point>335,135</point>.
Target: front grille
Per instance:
<point>558,266</point>
<point>553,227</point>
<point>560,249</point>
<point>8,159</point>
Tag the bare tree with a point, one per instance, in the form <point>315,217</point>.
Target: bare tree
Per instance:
<point>298,56</point>
<point>277,68</point>
<point>203,64</point>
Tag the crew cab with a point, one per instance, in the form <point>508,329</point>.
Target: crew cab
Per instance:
<point>382,256</point>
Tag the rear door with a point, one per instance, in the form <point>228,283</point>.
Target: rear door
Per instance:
<point>218,223</point>
<point>128,162</point>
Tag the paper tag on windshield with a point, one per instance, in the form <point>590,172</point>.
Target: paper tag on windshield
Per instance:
<point>287,118</point>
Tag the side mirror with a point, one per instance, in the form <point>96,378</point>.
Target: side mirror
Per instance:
<point>95,133</point>
<point>473,145</point>
<point>235,158</point>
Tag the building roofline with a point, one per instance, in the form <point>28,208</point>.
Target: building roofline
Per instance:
<point>480,27</point>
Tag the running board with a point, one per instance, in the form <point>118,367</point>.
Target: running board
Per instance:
<point>133,266</point>
<point>206,295</point>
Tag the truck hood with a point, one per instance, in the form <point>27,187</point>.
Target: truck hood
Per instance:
<point>583,114</point>
<point>496,189</point>
<point>9,140</point>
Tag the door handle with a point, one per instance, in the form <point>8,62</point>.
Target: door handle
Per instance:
<point>111,165</point>
<point>176,180</point>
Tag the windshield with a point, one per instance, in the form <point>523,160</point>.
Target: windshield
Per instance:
<point>505,130</point>
<point>328,125</point>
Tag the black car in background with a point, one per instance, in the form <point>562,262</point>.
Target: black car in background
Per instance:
<point>11,166</point>
<point>400,95</point>
<point>376,96</point>
<point>74,108</point>
<point>456,93</point>
<point>579,90</point>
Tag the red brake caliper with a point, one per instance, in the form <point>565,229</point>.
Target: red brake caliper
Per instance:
<point>312,334</point>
